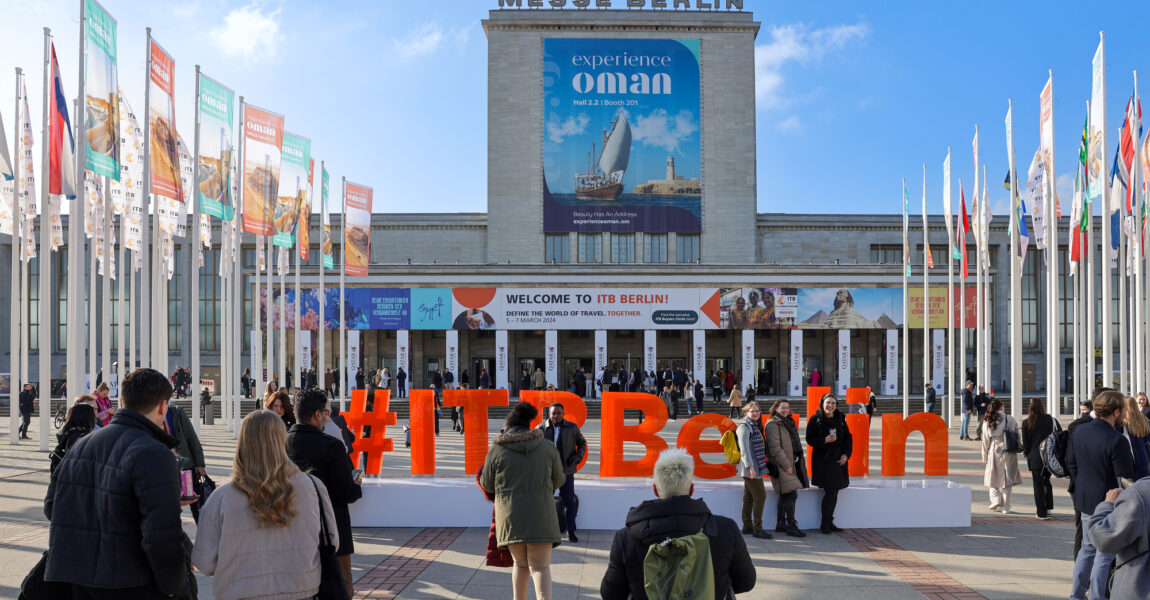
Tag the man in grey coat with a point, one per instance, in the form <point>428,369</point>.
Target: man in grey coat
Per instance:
<point>1120,525</point>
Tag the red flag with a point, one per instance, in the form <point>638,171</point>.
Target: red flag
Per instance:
<point>963,231</point>
<point>61,170</point>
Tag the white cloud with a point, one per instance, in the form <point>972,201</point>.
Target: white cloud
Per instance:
<point>796,43</point>
<point>664,131</point>
<point>791,124</point>
<point>557,131</point>
<point>428,38</point>
<point>249,32</point>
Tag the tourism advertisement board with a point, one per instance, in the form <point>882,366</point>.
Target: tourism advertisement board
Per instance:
<point>938,307</point>
<point>622,147</point>
<point>162,137</point>
<point>356,229</point>
<point>849,308</point>
<point>292,190</point>
<point>213,179</point>
<point>263,138</point>
<point>101,88</point>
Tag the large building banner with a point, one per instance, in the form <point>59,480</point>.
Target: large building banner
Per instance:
<point>217,119</point>
<point>101,122</point>
<point>357,229</point>
<point>622,149</point>
<point>263,139</point>
<point>163,139</point>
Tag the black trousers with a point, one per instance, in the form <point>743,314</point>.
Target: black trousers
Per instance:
<point>830,501</point>
<point>26,420</point>
<point>80,592</point>
<point>1077,533</point>
<point>1043,492</point>
<point>785,511</point>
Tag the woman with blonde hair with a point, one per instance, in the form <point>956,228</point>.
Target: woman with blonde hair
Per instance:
<point>1001,472</point>
<point>1136,428</point>
<point>268,508</point>
<point>752,468</point>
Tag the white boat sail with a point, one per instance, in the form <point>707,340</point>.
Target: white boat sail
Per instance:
<point>606,181</point>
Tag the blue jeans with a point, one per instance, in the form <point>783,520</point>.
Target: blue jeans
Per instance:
<point>930,406</point>
<point>1090,569</point>
<point>570,505</point>
<point>964,430</point>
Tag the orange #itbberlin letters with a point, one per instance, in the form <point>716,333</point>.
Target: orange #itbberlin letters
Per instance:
<point>614,432</point>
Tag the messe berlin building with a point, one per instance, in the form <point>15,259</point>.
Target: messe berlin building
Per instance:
<point>621,230</point>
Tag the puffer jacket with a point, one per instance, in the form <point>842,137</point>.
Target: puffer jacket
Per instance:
<point>114,505</point>
<point>523,472</point>
<point>677,516</point>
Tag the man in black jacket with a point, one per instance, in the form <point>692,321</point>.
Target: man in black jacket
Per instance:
<point>675,514</point>
<point>967,410</point>
<point>325,457</point>
<point>572,448</point>
<point>981,405</point>
<point>114,503</point>
<point>1097,456</point>
<point>1086,410</point>
<point>27,406</point>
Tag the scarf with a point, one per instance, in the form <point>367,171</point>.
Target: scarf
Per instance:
<point>758,449</point>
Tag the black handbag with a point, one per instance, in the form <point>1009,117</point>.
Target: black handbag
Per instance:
<point>1012,444</point>
<point>331,585</point>
<point>35,588</point>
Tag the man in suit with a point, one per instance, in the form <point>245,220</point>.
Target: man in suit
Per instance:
<point>1097,457</point>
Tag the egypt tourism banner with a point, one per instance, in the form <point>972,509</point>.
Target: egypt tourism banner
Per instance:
<point>622,149</point>
<point>101,83</point>
<point>263,137</point>
<point>849,308</point>
<point>292,188</point>
<point>356,229</point>
<point>213,179</point>
<point>165,154</point>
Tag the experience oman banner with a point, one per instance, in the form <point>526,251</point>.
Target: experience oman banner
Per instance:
<point>622,149</point>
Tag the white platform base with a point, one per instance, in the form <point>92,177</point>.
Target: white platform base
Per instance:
<point>603,503</point>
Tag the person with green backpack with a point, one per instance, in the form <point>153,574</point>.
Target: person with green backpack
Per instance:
<point>673,547</point>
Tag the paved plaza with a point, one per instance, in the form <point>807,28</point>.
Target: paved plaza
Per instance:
<point>999,556</point>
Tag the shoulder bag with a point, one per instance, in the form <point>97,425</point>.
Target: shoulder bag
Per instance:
<point>1012,443</point>
<point>331,585</point>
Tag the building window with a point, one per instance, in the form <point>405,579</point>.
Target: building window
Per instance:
<point>211,310</point>
<point>590,247</point>
<point>557,248</point>
<point>1065,301</point>
<point>62,299</point>
<point>117,306</point>
<point>655,247</point>
<point>687,247</point>
<point>249,259</point>
<point>622,247</point>
<point>33,290</point>
<point>1030,301</point>
<point>176,302</point>
<point>886,254</point>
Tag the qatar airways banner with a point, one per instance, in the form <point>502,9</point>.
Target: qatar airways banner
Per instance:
<point>622,149</point>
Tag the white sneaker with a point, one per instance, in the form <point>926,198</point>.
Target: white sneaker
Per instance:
<point>1005,511</point>
<point>995,507</point>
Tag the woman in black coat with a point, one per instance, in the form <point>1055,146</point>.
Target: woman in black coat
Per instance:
<point>831,444</point>
<point>1037,427</point>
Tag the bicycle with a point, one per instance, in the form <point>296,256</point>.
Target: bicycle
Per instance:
<point>58,418</point>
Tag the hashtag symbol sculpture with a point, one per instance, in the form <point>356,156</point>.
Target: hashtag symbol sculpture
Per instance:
<point>359,418</point>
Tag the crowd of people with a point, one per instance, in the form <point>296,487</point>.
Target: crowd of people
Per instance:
<point>292,478</point>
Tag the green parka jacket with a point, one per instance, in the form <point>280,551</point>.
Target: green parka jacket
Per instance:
<point>523,472</point>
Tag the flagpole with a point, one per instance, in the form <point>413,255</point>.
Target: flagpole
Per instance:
<point>75,351</point>
<point>1015,275</point>
<point>979,374</point>
<point>905,305</point>
<point>269,319</point>
<point>1077,352</point>
<point>92,300</point>
<point>282,337</point>
<point>321,331</point>
<point>342,364</point>
<point>106,291</point>
<point>927,345</point>
<point>299,331</point>
<point>1138,289</point>
<point>1107,310</point>
<point>17,350</point>
<point>45,253</point>
<point>1123,380</point>
<point>122,316</point>
<point>147,272</point>
<point>1053,341</point>
<point>194,272</point>
<point>988,311</point>
<point>236,284</point>
<point>962,293</point>
<point>949,298</point>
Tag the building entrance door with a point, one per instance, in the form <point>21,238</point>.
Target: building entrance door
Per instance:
<point>570,366</point>
<point>475,373</point>
<point>530,364</point>
<point>765,376</point>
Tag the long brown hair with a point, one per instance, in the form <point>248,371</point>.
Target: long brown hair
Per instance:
<point>1037,409</point>
<point>285,402</point>
<point>262,470</point>
<point>992,416</point>
<point>1136,423</point>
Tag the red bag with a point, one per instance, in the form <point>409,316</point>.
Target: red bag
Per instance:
<point>496,556</point>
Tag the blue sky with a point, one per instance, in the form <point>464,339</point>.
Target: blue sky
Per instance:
<point>851,97</point>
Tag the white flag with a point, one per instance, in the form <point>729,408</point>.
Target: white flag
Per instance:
<point>1036,188</point>
<point>131,181</point>
<point>28,208</point>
